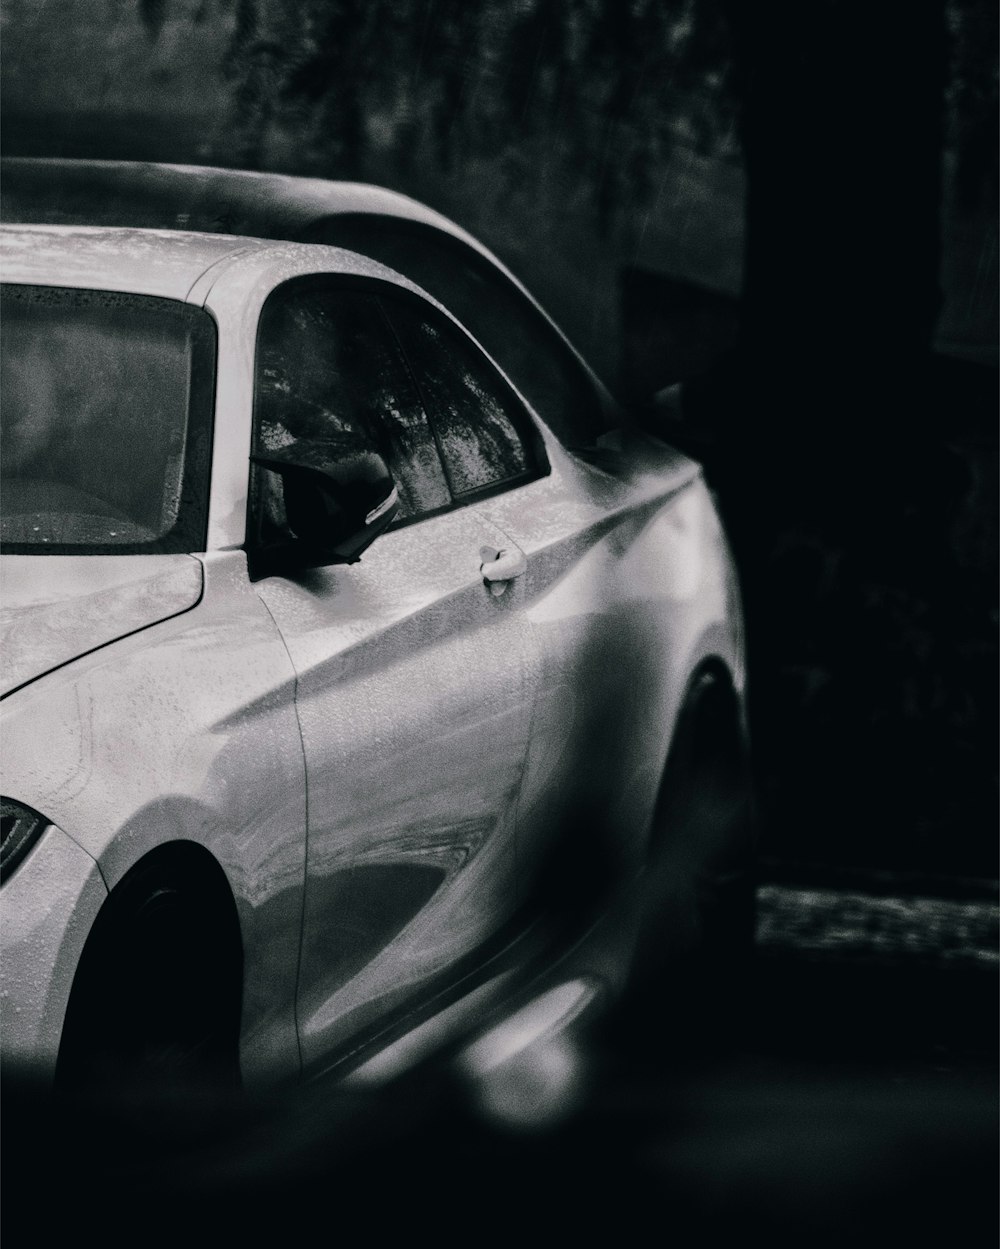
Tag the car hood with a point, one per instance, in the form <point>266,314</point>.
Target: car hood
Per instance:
<point>54,608</point>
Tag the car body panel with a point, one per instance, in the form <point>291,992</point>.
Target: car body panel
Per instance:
<point>49,904</point>
<point>415,695</point>
<point>54,608</point>
<point>628,588</point>
<point>206,701</point>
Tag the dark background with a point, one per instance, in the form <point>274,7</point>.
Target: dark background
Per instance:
<point>791,208</point>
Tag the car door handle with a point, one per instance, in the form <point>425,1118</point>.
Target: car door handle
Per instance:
<point>500,567</point>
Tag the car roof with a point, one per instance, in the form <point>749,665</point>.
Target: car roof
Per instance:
<point>167,263</point>
<point>150,262</point>
<point>196,197</point>
<point>245,204</point>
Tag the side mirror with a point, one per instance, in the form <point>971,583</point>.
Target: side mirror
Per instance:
<point>336,507</point>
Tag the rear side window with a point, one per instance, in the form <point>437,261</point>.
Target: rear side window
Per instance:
<point>534,355</point>
<point>484,438</point>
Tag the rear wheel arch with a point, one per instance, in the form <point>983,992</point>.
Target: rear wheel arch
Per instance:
<point>710,734</point>
<point>702,844</point>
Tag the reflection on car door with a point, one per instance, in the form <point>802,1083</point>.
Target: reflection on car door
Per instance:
<point>415,683</point>
<point>616,593</point>
<point>594,588</point>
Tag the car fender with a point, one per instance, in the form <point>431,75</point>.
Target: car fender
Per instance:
<point>185,731</point>
<point>50,904</point>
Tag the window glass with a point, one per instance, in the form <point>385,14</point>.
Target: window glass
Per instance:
<point>473,412</point>
<point>330,374</point>
<point>519,338</point>
<point>106,403</point>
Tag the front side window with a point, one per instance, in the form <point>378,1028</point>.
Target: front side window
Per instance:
<point>330,379</point>
<point>106,403</point>
<point>341,370</point>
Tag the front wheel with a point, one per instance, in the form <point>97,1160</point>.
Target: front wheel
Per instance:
<point>153,1017</point>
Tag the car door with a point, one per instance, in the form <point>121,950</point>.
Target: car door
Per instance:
<point>415,682</point>
<point>615,558</point>
<point>620,588</point>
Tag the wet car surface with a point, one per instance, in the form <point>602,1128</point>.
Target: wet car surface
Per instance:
<point>345,703</point>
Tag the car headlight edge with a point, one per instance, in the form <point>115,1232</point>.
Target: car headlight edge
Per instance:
<point>20,828</point>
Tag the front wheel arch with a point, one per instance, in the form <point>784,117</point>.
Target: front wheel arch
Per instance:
<point>157,993</point>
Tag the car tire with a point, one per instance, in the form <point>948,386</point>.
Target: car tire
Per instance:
<point>154,1013</point>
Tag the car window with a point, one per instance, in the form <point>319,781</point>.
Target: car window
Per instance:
<point>485,438</point>
<point>534,355</point>
<point>330,376</point>
<point>106,403</point>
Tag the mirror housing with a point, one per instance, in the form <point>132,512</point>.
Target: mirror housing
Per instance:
<point>335,507</point>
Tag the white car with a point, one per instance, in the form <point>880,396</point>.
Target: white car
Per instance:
<point>340,696</point>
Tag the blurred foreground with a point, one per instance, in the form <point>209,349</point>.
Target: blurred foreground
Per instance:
<point>848,1094</point>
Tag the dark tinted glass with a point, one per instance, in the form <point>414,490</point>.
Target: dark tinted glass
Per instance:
<point>474,413</point>
<point>106,402</point>
<point>532,354</point>
<point>330,374</point>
